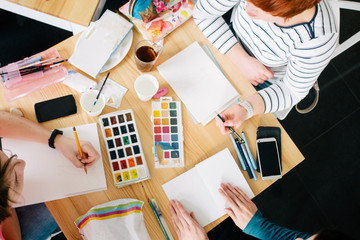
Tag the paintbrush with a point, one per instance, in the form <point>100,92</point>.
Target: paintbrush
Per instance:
<point>79,147</point>
<point>102,86</point>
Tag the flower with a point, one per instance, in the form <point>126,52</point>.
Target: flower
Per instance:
<point>160,6</point>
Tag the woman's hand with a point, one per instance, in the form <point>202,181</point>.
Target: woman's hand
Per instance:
<point>68,147</point>
<point>242,209</point>
<point>185,224</point>
<point>233,116</point>
<point>254,70</point>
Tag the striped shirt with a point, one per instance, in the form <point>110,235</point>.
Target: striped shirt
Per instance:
<point>297,54</point>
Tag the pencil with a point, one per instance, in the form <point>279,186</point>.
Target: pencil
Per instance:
<point>79,147</point>
<point>231,129</point>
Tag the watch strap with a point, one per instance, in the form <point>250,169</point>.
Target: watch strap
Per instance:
<point>53,135</point>
<point>248,107</point>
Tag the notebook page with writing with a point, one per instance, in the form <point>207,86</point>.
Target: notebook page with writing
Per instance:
<point>48,175</point>
<point>223,166</point>
<point>198,82</point>
<point>190,190</point>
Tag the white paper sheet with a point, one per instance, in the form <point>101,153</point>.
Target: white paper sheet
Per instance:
<point>98,42</point>
<point>223,166</point>
<point>198,82</point>
<point>197,189</point>
<point>190,190</point>
<point>49,175</point>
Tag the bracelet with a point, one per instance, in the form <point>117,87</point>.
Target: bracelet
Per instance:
<point>248,107</point>
<point>53,135</point>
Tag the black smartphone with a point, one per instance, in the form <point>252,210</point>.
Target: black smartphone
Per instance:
<point>268,158</point>
<point>55,108</point>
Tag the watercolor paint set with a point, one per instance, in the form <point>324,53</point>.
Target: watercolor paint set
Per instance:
<point>168,133</point>
<point>127,160</point>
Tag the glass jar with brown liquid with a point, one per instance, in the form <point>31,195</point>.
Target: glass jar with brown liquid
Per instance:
<point>146,54</point>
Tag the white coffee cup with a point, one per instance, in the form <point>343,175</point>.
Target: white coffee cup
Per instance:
<point>87,100</point>
<point>146,86</point>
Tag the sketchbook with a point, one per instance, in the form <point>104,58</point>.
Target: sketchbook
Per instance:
<point>50,176</point>
<point>199,83</point>
<point>96,45</point>
<point>197,189</point>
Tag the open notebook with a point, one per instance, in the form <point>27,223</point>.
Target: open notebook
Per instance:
<point>49,175</point>
<point>199,83</point>
<point>197,189</point>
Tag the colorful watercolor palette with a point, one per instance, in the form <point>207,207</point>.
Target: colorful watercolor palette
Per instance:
<point>168,133</point>
<point>124,149</point>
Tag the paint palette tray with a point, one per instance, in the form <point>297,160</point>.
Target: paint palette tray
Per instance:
<point>127,160</point>
<point>167,133</point>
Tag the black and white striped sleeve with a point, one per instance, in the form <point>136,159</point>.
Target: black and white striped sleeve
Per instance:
<point>208,17</point>
<point>304,67</point>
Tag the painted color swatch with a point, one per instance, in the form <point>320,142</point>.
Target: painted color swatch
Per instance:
<point>124,149</point>
<point>168,133</point>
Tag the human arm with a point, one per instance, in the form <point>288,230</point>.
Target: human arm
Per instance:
<point>13,126</point>
<point>253,69</point>
<point>11,227</point>
<point>236,115</point>
<point>185,224</point>
<point>246,216</point>
<point>208,17</point>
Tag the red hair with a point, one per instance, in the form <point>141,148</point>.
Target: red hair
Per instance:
<point>284,8</point>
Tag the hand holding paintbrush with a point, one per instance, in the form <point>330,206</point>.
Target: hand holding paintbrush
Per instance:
<point>231,129</point>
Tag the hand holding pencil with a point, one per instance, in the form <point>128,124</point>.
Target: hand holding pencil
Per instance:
<point>69,148</point>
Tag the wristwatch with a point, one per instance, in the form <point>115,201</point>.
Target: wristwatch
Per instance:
<point>53,135</point>
<point>248,107</point>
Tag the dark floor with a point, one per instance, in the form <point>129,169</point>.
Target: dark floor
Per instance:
<point>321,192</point>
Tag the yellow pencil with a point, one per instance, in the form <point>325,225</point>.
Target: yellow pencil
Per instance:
<point>78,144</point>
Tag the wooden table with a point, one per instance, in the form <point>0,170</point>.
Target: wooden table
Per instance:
<point>71,15</point>
<point>200,142</point>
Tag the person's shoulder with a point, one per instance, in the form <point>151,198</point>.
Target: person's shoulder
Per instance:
<point>326,17</point>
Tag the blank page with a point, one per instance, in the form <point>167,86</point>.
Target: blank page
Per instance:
<point>198,82</point>
<point>190,190</point>
<point>222,168</point>
<point>49,175</point>
<point>197,189</point>
<point>99,42</point>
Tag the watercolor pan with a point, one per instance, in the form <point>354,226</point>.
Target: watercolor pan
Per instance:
<point>167,133</point>
<point>127,160</point>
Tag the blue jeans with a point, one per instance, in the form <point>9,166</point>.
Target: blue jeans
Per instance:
<point>36,222</point>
